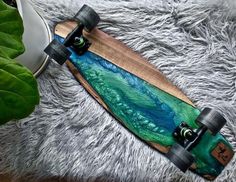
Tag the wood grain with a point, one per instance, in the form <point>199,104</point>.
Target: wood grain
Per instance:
<point>87,86</point>
<point>122,56</point>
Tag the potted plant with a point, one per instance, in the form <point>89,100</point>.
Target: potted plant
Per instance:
<point>18,87</point>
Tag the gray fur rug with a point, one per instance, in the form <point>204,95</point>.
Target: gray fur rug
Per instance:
<point>70,135</point>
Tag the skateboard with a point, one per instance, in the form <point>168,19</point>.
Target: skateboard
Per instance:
<point>140,96</point>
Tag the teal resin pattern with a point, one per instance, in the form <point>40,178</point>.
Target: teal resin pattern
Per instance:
<point>147,111</point>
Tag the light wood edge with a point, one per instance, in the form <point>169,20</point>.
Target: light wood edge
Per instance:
<point>69,25</point>
<point>86,85</point>
<point>63,31</point>
<point>133,63</point>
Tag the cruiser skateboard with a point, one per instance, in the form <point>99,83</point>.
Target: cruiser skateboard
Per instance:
<point>140,97</point>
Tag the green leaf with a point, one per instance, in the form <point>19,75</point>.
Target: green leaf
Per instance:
<point>18,91</point>
<point>11,30</point>
<point>18,87</point>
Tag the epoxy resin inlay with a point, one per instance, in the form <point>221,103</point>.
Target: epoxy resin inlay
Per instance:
<point>147,111</point>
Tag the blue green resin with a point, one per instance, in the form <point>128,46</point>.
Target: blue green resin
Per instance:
<point>147,111</point>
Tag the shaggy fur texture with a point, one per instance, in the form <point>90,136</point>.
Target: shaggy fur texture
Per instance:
<point>70,135</point>
<point>229,4</point>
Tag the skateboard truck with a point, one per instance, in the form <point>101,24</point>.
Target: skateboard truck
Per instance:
<point>77,41</point>
<point>187,136</point>
<point>87,19</point>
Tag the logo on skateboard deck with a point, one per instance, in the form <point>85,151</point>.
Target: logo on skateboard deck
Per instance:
<point>222,153</point>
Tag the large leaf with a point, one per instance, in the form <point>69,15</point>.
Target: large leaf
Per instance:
<point>18,87</point>
<point>11,30</point>
<point>18,91</point>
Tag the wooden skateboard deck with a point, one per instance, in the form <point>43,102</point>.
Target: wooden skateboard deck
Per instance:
<point>141,98</point>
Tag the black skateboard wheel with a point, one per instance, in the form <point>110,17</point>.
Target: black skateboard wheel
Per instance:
<point>88,17</point>
<point>57,52</point>
<point>212,119</point>
<point>182,158</point>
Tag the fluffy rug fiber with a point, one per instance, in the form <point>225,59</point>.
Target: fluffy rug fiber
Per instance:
<point>71,136</point>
